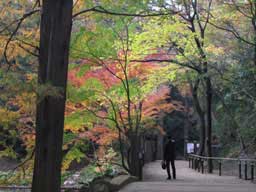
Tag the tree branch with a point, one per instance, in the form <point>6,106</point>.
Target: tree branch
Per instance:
<point>100,9</point>
<point>167,61</point>
<point>20,21</point>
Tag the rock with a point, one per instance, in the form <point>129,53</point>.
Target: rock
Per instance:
<point>122,180</point>
<point>72,180</point>
<point>101,185</point>
<point>84,189</point>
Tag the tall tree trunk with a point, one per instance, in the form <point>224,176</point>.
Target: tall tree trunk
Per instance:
<point>209,122</point>
<point>56,22</point>
<point>201,115</point>
<point>254,27</point>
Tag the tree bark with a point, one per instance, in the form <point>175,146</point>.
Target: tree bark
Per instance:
<point>209,122</point>
<point>201,115</point>
<point>135,167</point>
<point>56,23</point>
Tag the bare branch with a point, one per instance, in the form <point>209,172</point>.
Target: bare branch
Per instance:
<point>28,51</point>
<point>167,61</point>
<point>20,21</point>
<point>235,33</point>
<point>25,161</point>
<point>100,9</point>
<point>208,15</point>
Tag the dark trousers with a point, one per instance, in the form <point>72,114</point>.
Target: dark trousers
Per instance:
<point>173,168</point>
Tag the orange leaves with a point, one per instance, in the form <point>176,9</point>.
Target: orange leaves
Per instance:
<point>73,79</point>
<point>159,102</point>
<point>111,72</point>
<point>100,135</point>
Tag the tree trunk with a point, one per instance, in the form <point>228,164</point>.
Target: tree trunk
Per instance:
<point>135,161</point>
<point>209,122</point>
<point>56,22</point>
<point>200,113</point>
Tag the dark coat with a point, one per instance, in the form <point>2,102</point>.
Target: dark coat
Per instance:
<point>169,151</point>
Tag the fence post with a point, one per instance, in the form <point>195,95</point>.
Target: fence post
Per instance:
<point>202,166</point>
<point>252,171</point>
<point>220,168</point>
<point>240,169</point>
<point>198,165</point>
<point>245,171</point>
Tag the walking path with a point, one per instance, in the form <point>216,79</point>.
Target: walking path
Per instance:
<point>188,180</point>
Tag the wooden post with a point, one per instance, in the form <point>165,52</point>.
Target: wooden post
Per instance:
<point>196,163</point>
<point>199,164</point>
<point>202,166</point>
<point>141,166</point>
<point>240,169</point>
<point>219,168</point>
<point>245,171</point>
<point>252,171</point>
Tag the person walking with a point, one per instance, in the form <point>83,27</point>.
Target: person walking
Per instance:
<point>169,157</point>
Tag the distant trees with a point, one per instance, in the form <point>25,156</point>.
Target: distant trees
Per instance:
<point>184,37</point>
<point>238,24</point>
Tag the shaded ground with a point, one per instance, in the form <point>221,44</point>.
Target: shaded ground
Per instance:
<point>187,180</point>
<point>7,164</point>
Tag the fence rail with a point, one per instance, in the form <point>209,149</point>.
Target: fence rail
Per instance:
<point>28,188</point>
<point>245,168</point>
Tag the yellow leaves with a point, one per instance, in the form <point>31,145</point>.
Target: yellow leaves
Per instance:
<point>7,117</point>
<point>27,103</point>
<point>30,77</point>
<point>78,5</point>
<point>31,34</point>
<point>73,154</point>
<point>10,13</point>
<point>8,152</point>
<point>214,50</point>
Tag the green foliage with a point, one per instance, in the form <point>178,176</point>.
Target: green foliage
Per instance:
<point>160,76</point>
<point>74,154</point>
<point>88,174</point>
<point>98,44</point>
<point>78,120</point>
<point>17,177</point>
<point>118,93</point>
<point>88,91</point>
<point>101,168</point>
<point>82,70</point>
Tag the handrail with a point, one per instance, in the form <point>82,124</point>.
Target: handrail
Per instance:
<point>222,158</point>
<point>197,162</point>
<point>18,187</point>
